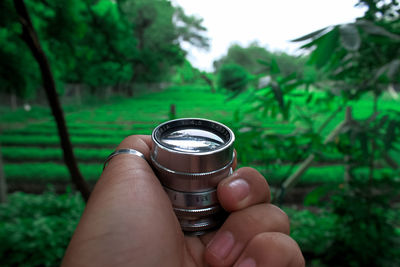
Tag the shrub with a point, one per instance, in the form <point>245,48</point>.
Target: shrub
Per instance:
<point>20,154</point>
<point>49,171</point>
<point>365,233</point>
<point>35,229</point>
<point>233,78</point>
<point>313,231</point>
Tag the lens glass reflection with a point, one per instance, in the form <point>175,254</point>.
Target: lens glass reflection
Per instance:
<point>191,140</point>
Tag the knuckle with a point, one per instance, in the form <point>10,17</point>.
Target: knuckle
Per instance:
<point>250,172</point>
<point>278,244</point>
<point>261,218</point>
<point>299,261</point>
<point>282,218</point>
<point>272,239</point>
<point>130,139</point>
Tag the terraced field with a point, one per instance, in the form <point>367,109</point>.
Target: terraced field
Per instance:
<point>30,144</point>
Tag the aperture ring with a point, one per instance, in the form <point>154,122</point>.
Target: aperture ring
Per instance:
<point>188,200</point>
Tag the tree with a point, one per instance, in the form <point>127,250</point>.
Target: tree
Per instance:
<point>97,44</point>
<point>254,57</point>
<point>31,39</point>
<point>3,185</point>
<point>233,78</point>
<point>14,80</point>
<point>190,29</point>
<point>159,28</point>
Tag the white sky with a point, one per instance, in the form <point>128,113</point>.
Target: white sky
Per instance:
<point>270,22</point>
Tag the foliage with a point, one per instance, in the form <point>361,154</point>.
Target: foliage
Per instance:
<point>80,132</point>
<point>233,77</point>
<point>359,61</point>
<point>21,154</point>
<point>187,74</point>
<point>252,56</point>
<point>354,62</point>
<point>49,172</point>
<point>35,229</point>
<point>96,43</point>
<point>53,140</point>
<point>313,231</point>
<point>364,224</point>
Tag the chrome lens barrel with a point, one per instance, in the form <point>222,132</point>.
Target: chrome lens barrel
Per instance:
<point>190,157</point>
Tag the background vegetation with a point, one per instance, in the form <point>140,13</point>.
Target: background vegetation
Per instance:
<point>323,127</point>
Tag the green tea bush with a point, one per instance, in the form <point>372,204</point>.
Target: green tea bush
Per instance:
<point>48,171</point>
<point>90,125</point>
<point>53,140</point>
<point>15,153</point>
<point>77,132</point>
<point>21,115</point>
<point>35,229</point>
<point>314,175</point>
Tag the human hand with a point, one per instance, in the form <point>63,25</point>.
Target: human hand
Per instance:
<point>129,221</point>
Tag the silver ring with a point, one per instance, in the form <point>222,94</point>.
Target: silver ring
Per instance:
<point>123,151</point>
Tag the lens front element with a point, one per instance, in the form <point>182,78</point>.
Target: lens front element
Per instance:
<point>191,140</point>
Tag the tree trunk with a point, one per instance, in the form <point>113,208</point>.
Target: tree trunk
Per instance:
<point>348,158</point>
<point>30,37</point>
<point>13,101</point>
<point>208,81</point>
<point>3,185</point>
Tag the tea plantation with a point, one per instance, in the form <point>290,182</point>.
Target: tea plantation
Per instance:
<point>30,143</point>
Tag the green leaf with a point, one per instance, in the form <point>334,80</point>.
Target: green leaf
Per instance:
<point>350,37</point>
<point>363,138</point>
<point>393,68</point>
<point>371,28</point>
<point>309,98</point>
<point>274,67</point>
<point>314,197</point>
<point>326,47</point>
<point>310,35</point>
<point>390,134</point>
<point>278,95</point>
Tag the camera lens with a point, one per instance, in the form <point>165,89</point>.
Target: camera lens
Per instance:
<point>190,157</point>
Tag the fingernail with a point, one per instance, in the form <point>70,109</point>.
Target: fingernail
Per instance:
<point>221,245</point>
<point>240,189</point>
<point>249,262</point>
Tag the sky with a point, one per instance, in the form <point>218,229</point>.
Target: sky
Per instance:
<point>272,23</point>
